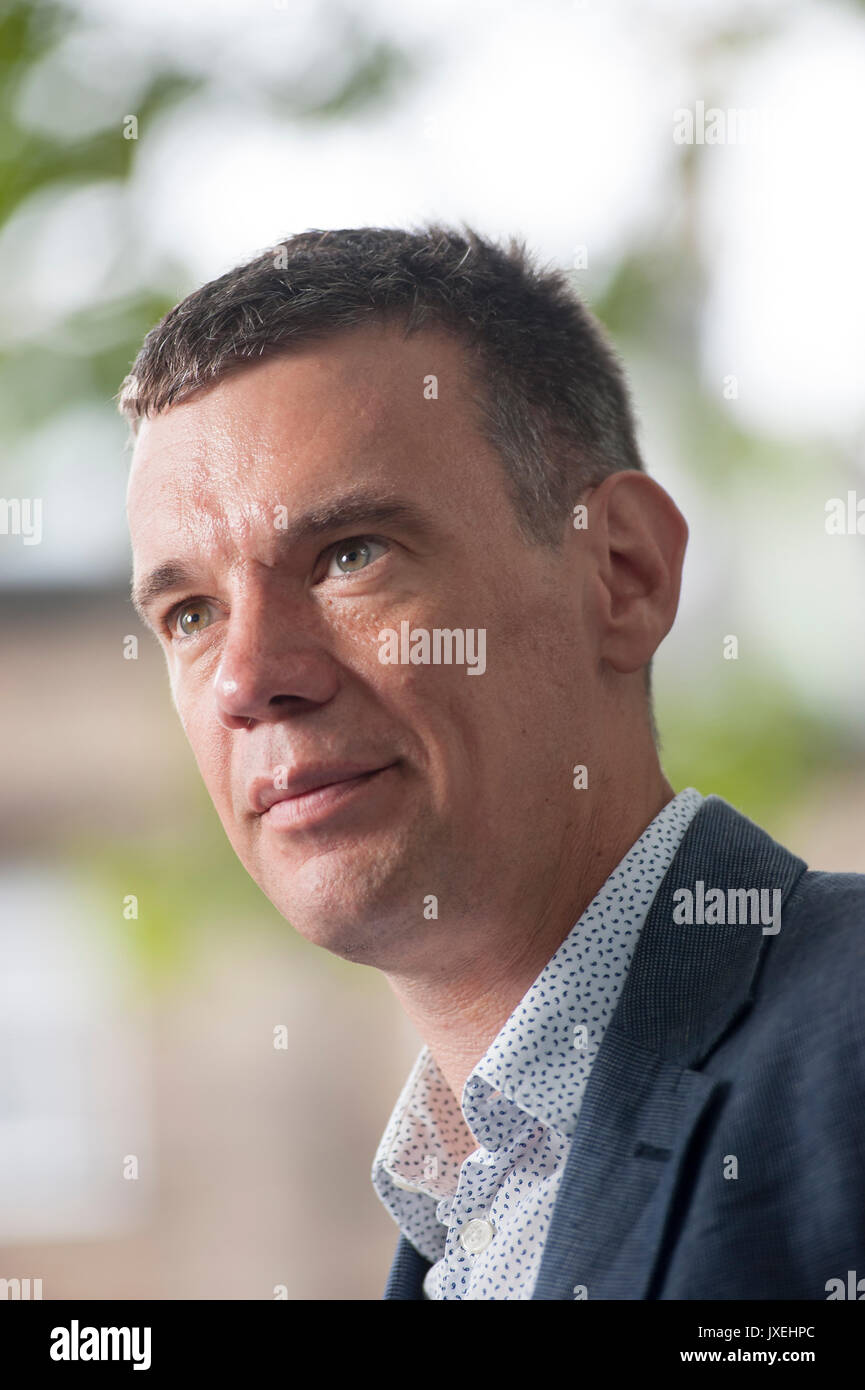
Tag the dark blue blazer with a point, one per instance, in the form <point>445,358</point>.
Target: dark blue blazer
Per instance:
<point>730,1051</point>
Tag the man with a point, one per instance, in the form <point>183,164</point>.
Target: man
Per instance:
<point>392,528</point>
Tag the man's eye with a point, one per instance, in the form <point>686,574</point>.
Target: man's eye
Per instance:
<point>352,555</point>
<point>190,618</point>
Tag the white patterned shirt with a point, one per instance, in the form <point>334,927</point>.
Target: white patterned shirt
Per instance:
<point>483,1222</point>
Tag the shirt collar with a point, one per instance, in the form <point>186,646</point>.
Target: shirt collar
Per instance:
<point>526,1065</point>
<point>514,1081</point>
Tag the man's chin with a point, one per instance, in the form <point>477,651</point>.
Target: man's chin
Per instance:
<point>353,931</point>
<point>347,904</point>
<point>361,894</point>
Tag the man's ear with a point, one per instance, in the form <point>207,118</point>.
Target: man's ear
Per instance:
<point>638,536</point>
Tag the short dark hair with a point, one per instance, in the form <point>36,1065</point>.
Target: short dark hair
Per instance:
<point>551,396</point>
<point>553,399</point>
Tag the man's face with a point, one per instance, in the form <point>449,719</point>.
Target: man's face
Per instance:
<point>297,509</point>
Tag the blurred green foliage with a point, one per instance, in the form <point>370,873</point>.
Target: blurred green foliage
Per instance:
<point>86,359</point>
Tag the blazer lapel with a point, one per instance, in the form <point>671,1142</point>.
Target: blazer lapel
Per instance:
<point>686,987</point>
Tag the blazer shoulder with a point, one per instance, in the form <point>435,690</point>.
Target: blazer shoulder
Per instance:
<point>829,910</point>
<point>817,958</point>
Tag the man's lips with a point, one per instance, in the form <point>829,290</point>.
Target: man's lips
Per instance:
<point>302,784</point>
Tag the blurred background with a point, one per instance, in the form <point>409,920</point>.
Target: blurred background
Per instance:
<point>153,1142</point>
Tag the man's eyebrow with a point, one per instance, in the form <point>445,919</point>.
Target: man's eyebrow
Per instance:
<point>357,509</point>
<point>172,575</point>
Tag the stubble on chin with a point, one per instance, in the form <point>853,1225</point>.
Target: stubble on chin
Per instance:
<point>358,902</point>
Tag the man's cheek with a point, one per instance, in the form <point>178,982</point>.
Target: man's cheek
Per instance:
<point>178,703</point>
<point>213,756</point>
<point>194,704</point>
<point>201,730</point>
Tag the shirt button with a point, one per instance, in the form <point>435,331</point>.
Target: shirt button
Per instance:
<point>477,1236</point>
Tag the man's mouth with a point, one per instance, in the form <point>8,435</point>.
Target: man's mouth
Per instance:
<point>311,794</point>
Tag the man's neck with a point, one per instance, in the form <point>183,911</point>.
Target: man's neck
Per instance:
<point>459,1013</point>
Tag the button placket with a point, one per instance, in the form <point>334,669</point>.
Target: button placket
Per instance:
<point>477,1235</point>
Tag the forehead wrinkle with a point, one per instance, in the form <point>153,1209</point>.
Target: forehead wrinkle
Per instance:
<point>284,426</point>
<point>247,458</point>
<point>362,418</point>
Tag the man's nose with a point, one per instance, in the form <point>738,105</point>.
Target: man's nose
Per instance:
<point>274,664</point>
